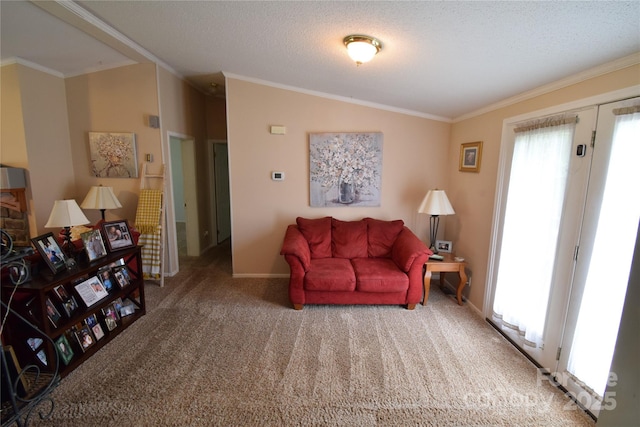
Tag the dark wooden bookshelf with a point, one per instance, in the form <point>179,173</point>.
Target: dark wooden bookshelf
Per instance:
<point>29,300</point>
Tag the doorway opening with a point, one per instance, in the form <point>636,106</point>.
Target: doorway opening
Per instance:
<point>184,201</point>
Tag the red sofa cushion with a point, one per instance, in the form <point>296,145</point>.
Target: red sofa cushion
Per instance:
<point>379,275</point>
<point>330,274</point>
<point>349,239</point>
<point>382,235</point>
<point>318,234</point>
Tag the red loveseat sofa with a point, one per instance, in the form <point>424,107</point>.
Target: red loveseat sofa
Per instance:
<point>368,261</point>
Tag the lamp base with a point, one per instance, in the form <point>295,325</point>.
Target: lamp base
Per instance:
<point>67,246</point>
<point>434,222</point>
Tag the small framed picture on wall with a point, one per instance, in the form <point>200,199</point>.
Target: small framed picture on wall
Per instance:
<point>470,156</point>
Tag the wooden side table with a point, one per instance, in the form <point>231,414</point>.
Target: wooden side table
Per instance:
<point>448,264</point>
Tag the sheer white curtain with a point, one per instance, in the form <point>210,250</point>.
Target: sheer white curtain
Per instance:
<point>533,212</point>
<point>601,307</point>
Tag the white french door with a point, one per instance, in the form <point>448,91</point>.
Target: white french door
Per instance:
<point>544,184</point>
<point>604,261</point>
<point>558,283</point>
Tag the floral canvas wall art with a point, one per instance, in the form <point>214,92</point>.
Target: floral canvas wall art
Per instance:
<point>113,155</point>
<point>345,169</point>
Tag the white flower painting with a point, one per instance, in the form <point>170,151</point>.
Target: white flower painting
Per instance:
<point>113,155</point>
<point>345,169</point>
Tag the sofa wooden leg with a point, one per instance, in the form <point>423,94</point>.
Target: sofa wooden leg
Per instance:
<point>411,306</point>
<point>298,306</point>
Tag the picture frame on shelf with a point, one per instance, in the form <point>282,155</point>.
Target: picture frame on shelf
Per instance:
<point>84,337</point>
<point>64,349</point>
<point>470,156</point>
<point>70,306</point>
<point>91,290</point>
<point>127,309</point>
<point>121,275</point>
<point>117,235</point>
<point>68,303</point>
<point>34,343</point>
<point>42,357</point>
<point>93,245</point>
<point>445,246</point>
<point>117,263</point>
<point>106,278</point>
<point>52,313</point>
<point>61,293</point>
<point>111,317</point>
<point>49,249</point>
<point>94,325</point>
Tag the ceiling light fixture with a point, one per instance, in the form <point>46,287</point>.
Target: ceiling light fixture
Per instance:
<point>362,48</point>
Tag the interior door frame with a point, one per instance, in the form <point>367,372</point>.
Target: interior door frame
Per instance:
<point>213,199</point>
<point>171,239</point>
<point>222,193</point>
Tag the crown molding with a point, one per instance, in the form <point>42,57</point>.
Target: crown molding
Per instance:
<point>338,98</point>
<point>33,65</point>
<point>609,67</point>
<point>80,18</point>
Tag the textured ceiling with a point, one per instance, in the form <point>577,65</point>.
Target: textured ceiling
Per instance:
<point>440,59</point>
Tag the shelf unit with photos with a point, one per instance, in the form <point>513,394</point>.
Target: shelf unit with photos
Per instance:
<point>33,299</point>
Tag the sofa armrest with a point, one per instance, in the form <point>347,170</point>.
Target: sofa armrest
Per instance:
<point>407,248</point>
<point>296,245</point>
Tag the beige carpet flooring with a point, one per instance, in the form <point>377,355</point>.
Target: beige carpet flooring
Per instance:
<point>218,351</point>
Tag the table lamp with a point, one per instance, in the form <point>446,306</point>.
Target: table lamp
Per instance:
<point>435,203</point>
<point>66,214</point>
<point>102,198</point>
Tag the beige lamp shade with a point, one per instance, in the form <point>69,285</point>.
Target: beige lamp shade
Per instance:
<point>100,197</point>
<point>66,213</point>
<point>436,203</point>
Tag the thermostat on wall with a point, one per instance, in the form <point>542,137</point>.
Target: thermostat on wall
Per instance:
<point>277,176</point>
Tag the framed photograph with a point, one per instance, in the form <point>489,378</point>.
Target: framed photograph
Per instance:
<point>127,309</point>
<point>84,337</point>
<point>470,156</point>
<point>93,244</point>
<point>91,291</point>
<point>61,293</point>
<point>42,357</point>
<point>444,246</point>
<point>64,349</point>
<point>113,154</point>
<point>106,278</point>
<point>52,313</point>
<point>50,251</point>
<point>121,274</point>
<point>111,317</point>
<point>70,306</point>
<point>92,323</point>
<point>117,235</point>
<point>34,343</point>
